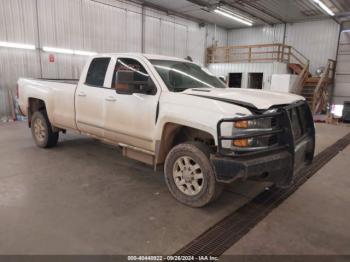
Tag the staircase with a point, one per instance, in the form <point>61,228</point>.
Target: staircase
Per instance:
<point>297,69</point>
<point>309,89</point>
<point>314,89</point>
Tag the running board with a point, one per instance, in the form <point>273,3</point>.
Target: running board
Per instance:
<point>138,154</point>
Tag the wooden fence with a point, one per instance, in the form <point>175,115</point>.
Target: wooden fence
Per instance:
<point>255,54</point>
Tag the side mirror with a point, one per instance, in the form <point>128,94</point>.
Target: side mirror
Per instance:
<point>126,83</point>
<point>149,88</point>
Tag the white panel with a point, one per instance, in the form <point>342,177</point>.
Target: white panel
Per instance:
<point>285,83</point>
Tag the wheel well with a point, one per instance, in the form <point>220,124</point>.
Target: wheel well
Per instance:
<point>34,104</point>
<point>174,134</point>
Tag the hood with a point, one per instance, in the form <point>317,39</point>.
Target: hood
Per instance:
<point>258,99</point>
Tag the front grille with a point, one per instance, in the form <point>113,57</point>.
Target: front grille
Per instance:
<point>268,140</point>
<point>297,117</point>
<point>284,127</point>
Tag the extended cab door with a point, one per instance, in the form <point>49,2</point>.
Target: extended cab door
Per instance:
<point>90,98</point>
<point>131,117</point>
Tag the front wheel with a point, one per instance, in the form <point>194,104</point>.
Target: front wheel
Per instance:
<point>190,176</point>
<point>42,130</point>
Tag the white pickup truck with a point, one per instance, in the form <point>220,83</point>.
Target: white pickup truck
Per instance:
<point>164,110</point>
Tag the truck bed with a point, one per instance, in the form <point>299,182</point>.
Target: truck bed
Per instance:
<point>57,94</point>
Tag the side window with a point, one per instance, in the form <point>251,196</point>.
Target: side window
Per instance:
<point>137,78</point>
<point>97,71</point>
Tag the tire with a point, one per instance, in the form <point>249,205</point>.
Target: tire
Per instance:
<point>197,186</point>
<point>42,130</point>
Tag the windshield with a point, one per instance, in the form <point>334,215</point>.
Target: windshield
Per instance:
<point>179,76</point>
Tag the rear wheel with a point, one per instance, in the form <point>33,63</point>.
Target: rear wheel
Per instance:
<point>190,176</point>
<point>42,130</point>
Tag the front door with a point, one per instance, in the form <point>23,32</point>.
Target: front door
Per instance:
<point>131,118</point>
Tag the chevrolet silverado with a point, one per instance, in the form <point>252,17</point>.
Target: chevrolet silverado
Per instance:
<point>170,112</point>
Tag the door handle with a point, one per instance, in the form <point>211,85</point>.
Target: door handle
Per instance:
<point>81,94</point>
<point>111,99</point>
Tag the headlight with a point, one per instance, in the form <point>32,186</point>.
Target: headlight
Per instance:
<point>243,142</point>
<point>246,126</point>
<point>241,124</point>
<point>254,124</point>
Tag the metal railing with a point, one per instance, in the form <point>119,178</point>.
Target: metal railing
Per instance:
<point>255,54</point>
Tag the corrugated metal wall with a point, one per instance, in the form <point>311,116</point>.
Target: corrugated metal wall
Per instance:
<point>216,35</point>
<point>245,68</point>
<point>256,35</point>
<point>91,25</point>
<point>17,24</point>
<point>317,40</point>
<point>342,78</point>
<point>174,36</point>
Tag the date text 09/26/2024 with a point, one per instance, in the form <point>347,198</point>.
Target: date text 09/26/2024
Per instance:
<point>172,258</point>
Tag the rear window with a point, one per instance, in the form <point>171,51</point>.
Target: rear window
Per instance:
<point>97,71</point>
